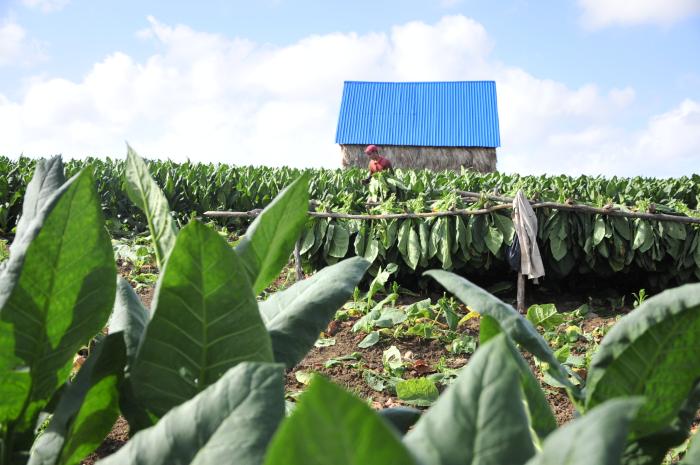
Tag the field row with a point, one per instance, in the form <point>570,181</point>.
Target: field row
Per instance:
<point>654,253</point>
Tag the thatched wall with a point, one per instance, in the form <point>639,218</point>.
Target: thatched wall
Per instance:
<point>482,159</point>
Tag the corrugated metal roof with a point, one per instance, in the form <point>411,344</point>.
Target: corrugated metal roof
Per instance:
<point>438,114</point>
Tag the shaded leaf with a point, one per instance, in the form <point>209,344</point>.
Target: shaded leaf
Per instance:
<point>129,316</point>
<point>87,409</point>
<point>345,431</point>
<point>597,438</point>
<point>369,340</point>
<point>484,407</point>
<point>147,196</point>
<point>651,352</point>
<point>270,239</point>
<point>401,418</point>
<point>231,421</point>
<point>294,317</point>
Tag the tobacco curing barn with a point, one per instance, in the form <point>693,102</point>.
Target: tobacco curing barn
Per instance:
<point>421,125</point>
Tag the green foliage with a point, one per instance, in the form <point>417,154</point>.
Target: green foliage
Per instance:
<point>508,319</point>
<point>231,421</point>
<point>269,241</point>
<point>205,321</point>
<point>484,405</point>
<point>56,292</point>
<point>196,375</point>
<point>417,391</point>
<point>598,438</point>
<point>332,426</point>
<point>294,317</point>
<point>652,352</point>
<point>146,195</point>
<point>544,316</point>
<point>87,409</point>
<point>692,456</point>
<point>572,243</point>
<point>205,329</point>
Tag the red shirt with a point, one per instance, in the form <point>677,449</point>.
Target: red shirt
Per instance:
<point>375,166</point>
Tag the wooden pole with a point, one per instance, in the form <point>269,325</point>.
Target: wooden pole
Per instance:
<point>297,261</point>
<point>481,211</point>
<point>521,293</point>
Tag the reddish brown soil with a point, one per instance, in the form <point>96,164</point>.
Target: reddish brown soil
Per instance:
<point>423,357</point>
<point>115,440</point>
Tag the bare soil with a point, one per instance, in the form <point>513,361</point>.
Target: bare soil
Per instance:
<point>113,442</point>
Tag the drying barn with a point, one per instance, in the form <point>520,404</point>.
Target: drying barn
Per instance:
<point>421,125</point>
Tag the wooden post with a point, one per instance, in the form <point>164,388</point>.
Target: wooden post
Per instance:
<point>521,293</point>
<point>297,260</point>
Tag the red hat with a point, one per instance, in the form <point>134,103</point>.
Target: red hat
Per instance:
<point>371,148</point>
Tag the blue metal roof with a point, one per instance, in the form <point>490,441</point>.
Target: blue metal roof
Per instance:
<point>436,114</point>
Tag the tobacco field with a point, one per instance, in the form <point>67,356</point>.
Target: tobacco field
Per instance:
<point>137,331</point>
<point>573,244</point>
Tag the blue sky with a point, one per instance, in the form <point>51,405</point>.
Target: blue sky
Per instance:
<point>585,86</point>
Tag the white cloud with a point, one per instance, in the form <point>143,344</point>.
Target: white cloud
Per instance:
<point>667,146</point>
<point>214,98</point>
<point>602,13</point>
<point>46,6</point>
<point>15,47</point>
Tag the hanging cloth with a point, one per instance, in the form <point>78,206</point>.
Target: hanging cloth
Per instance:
<point>525,222</point>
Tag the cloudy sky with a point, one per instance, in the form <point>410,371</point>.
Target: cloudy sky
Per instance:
<point>584,86</point>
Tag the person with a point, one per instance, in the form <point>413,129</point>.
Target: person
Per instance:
<point>377,162</point>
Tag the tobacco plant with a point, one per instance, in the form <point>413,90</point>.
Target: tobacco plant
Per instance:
<point>200,374</point>
<point>637,404</point>
<point>572,243</point>
<point>59,287</point>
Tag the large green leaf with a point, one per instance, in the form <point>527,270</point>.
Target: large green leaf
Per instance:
<point>269,241</point>
<point>505,225</point>
<point>493,239</point>
<point>145,193</point>
<point>651,450</point>
<point>545,315</point>
<point>674,230</point>
<point>205,321</point>
<point>513,324</point>
<point>231,421</point>
<point>597,438</point>
<point>542,420</point>
<point>485,413</point>
<point>48,177</point>
<point>401,418</point>
<point>341,241</point>
<point>56,292</point>
<point>414,250</point>
<point>294,317</point>
<point>129,317</point>
<point>330,425</point>
<point>598,231</point>
<point>558,247</point>
<point>651,352</point>
<point>643,236</point>
<point>87,409</point>
<point>403,237</point>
